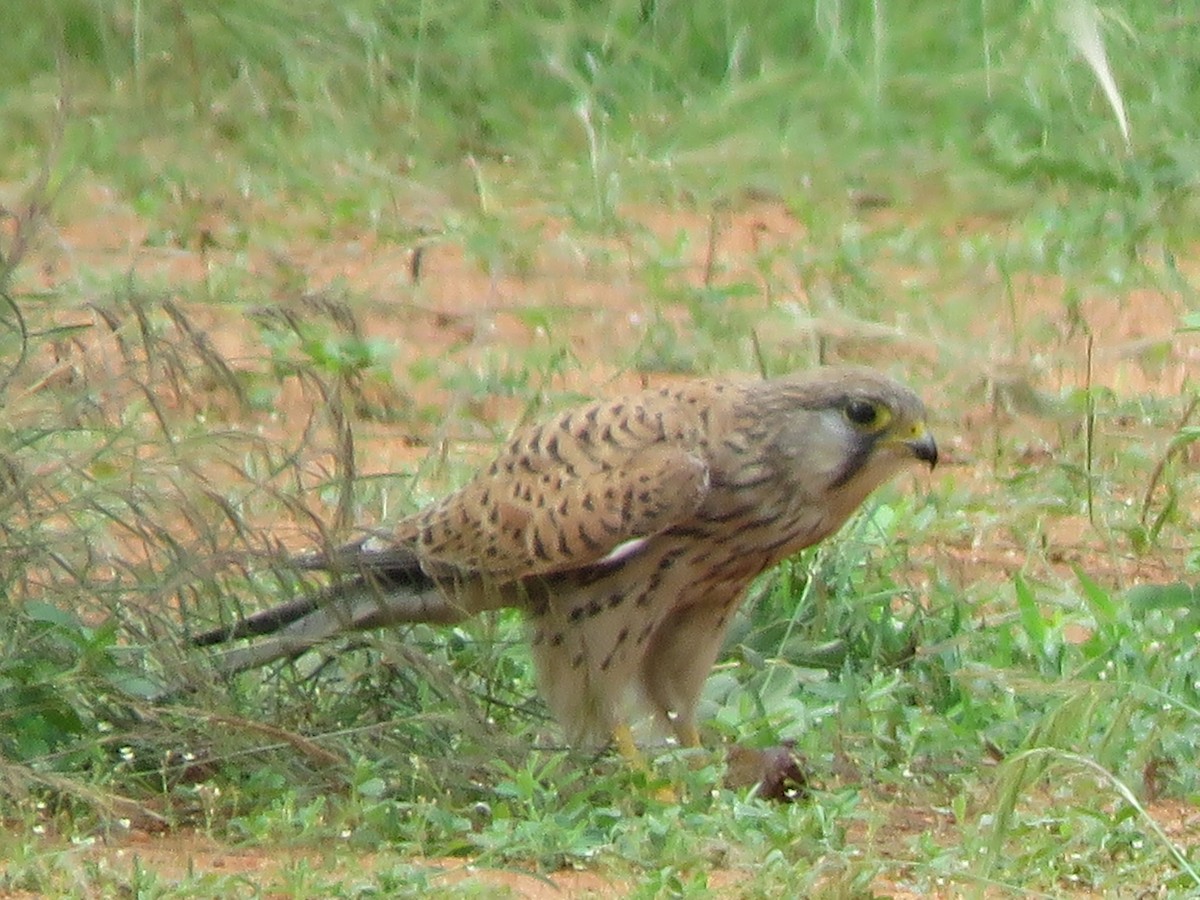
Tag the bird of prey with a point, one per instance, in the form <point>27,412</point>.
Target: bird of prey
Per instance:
<point>627,530</point>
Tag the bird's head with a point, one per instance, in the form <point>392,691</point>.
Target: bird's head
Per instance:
<point>845,431</point>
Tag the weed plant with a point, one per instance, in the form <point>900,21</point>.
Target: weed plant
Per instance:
<point>991,675</point>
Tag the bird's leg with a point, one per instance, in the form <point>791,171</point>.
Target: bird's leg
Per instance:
<point>623,739</point>
<point>687,735</point>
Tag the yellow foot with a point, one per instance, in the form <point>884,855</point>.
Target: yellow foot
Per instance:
<point>623,738</point>
<point>666,794</point>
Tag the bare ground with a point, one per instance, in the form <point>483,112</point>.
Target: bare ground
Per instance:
<point>589,299</point>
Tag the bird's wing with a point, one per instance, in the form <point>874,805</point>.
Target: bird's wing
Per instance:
<point>562,496</point>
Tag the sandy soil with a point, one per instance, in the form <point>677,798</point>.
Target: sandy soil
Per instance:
<point>587,299</point>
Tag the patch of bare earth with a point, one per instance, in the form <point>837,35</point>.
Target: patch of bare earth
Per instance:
<point>182,854</point>
<point>172,857</point>
<point>176,856</point>
<point>432,300</point>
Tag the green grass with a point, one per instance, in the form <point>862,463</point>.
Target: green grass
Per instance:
<point>991,673</point>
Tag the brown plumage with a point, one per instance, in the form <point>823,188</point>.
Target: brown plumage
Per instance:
<point>628,530</point>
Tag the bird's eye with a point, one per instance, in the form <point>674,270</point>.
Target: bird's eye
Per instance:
<point>865,414</point>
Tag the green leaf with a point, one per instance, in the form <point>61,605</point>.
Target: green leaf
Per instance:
<point>373,788</point>
<point>1186,435</point>
<point>137,686</point>
<point>1146,597</point>
<point>1031,614</point>
<point>51,615</point>
<point>1100,601</point>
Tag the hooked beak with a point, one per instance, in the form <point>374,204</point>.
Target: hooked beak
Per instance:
<point>922,445</point>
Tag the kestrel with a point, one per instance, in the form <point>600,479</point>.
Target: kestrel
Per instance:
<point>627,530</point>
